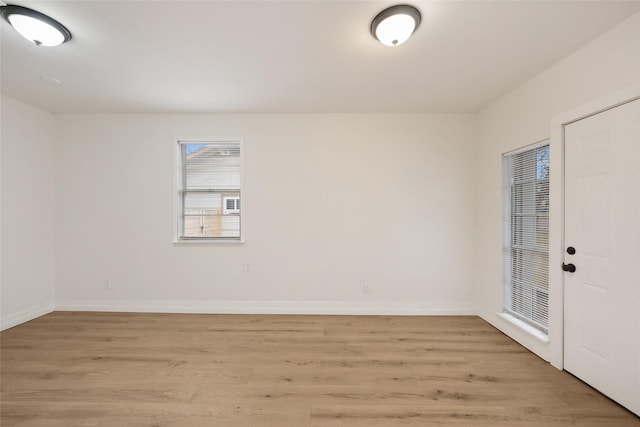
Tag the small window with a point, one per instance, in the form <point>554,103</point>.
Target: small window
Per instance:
<point>209,190</point>
<point>526,235</point>
<point>232,205</point>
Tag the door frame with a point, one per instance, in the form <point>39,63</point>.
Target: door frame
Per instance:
<point>556,205</point>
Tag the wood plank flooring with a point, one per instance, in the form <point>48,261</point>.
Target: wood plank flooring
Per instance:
<point>125,370</point>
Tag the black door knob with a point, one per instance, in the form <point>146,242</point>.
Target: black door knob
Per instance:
<point>569,267</point>
<point>571,250</point>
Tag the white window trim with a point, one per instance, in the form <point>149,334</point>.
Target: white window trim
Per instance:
<point>176,192</point>
<point>524,326</point>
<point>535,145</point>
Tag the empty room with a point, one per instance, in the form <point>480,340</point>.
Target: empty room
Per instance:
<point>320,213</point>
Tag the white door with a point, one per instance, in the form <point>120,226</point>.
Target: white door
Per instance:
<point>602,224</point>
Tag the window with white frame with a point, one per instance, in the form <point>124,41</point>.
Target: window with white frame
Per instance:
<point>209,190</point>
<point>231,205</point>
<point>526,235</point>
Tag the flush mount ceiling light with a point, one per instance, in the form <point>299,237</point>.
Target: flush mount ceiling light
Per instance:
<point>394,25</point>
<point>34,26</point>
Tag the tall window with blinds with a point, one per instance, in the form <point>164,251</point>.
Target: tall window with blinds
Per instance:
<point>526,235</point>
<point>209,190</point>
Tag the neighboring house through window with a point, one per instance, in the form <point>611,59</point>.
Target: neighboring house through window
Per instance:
<point>526,235</point>
<point>209,190</point>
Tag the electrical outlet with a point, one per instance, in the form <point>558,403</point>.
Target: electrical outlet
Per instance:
<point>107,284</point>
<point>246,267</point>
<point>366,287</point>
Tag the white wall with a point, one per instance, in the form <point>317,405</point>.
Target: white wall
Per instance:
<point>27,243</point>
<point>524,116</point>
<point>332,201</point>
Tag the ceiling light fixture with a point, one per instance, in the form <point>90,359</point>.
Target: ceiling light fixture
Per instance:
<point>394,25</point>
<point>34,26</point>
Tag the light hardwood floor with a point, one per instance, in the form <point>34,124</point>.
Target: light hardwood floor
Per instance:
<point>122,370</point>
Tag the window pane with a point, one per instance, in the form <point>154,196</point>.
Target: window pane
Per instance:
<point>212,166</point>
<point>209,184</point>
<point>526,177</point>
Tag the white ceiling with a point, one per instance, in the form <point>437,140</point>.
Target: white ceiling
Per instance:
<point>292,56</point>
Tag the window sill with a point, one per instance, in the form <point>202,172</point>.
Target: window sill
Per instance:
<point>528,329</point>
<point>209,242</point>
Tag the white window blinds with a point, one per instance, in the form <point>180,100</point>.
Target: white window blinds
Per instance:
<point>209,175</point>
<point>526,232</point>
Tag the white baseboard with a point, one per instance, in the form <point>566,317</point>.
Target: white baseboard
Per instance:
<point>398,308</point>
<point>24,316</point>
<point>517,330</point>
